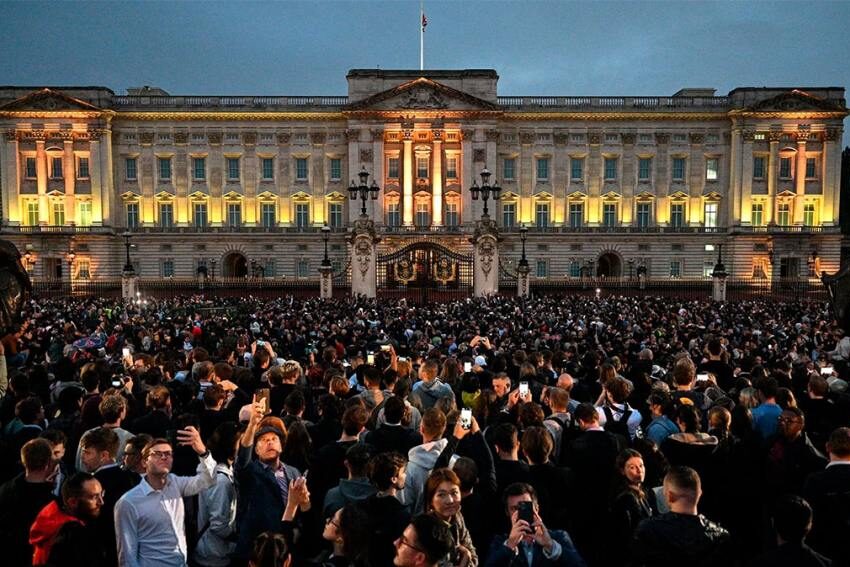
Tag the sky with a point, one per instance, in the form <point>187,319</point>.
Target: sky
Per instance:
<point>283,47</point>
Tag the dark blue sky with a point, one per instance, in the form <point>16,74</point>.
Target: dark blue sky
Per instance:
<point>538,48</point>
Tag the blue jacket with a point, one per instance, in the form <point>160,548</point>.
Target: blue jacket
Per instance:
<point>660,429</point>
<point>501,556</point>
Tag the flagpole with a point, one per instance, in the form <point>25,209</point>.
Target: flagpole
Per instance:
<point>421,36</point>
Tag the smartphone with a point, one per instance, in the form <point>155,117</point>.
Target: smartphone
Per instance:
<point>171,437</point>
<point>402,359</point>
<point>826,371</point>
<point>525,511</point>
<point>702,377</point>
<point>117,383</point>
<point>346,364</point>
<point>370,358</point>
<point>261,343</point>
<point>263,395</point>
<point>466,418</point>
<point>385,347</point>
<point>467,367</point>
<point>523,389</point>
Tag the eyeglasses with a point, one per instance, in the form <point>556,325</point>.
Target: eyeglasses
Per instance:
<point>95,497</point>
<point>330,520</point>
<point>162,454</point>
<point>788,420</point>
<point>403,541</point>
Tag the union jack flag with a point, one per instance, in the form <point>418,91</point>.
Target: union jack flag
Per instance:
<point>424,21</point>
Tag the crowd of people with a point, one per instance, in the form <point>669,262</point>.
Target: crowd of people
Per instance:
<point>569,431</point>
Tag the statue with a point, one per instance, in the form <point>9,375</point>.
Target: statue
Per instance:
<point>838,286</point>
<point>15,285</point>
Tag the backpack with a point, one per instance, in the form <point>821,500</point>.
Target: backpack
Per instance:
<point>569,431</point>
<point>618,427</point>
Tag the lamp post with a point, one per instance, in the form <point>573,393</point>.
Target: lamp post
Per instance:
<point>28,261</point>
<point>523,235</point>
<point>326,234</point>
<point>128,266</point>
<point>485,190</point>
<point>719,277</point>
<point>71,257</point>
<point>522,269</point>
<point>363,190</point>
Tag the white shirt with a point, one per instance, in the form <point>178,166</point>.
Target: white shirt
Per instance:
<point>149,523</point>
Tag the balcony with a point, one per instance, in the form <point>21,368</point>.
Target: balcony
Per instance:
<point>227,103</point>
<point>57,229</point>
<point>786,229</point>
<point>615,103</point>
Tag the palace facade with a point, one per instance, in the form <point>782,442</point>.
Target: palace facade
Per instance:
<point>236,185</point>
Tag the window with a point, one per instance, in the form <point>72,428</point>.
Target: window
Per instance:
<point>335,215</point>
<point>130,168</point>
<point>508,214</point>
<point>302,268</point>
<point>645,138</point>
<point>809,214</point>
<point>710,213</point>
<point>30,169</point>
<point>58,213</point>
<point>760,268</point>
<point>84,209</point>
<point>268,214</point>
<point>609,214</point>
<point>677,215</point>
<point>811,168</point>
<point>233,169</point>
<point>644,167</point>
<point>32,213</point>
<point>678,169</point>
<point>675,268</point>
<point>509,168</point>
<point>234,214</point>
<point>707,268</point>
<point>164,169</point>
<point>757,214</point>
<point>393,214</point>
<point>302,215</point>
<point>132,215</point>
<point>270,269</point>
<point>199,168</point>
<point>758,167</point>
<point>542,269</point>
<point>576,215</point>
<point>711,169</point>
<point>541,215</point>
<point>542,169</point>
<point>83,268</point>
<point>575,269</point>
<point>392,168</point>
<point>785,168</point>
<point>423,217</point>
<point>301,169</point>
<point>268,169</point>
<point>610,169</point>
<point>422,167</point>
<point>451,168</point>
<point>452,218</point>
<point>56,168</point>
<point>576,169</point>
<point>83,168</point>
<point>336,169</point>
<point>644,214</point>
<point>168,268</point>
<point>199,214</point>
<point>166,215</point>
<point>783,215</point>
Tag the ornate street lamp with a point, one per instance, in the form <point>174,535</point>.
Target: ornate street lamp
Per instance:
<point>128,266</point>
<point>363,190</point>
<point>28,261</point>
<point>71,257</point>
<point>485,190</point>
<point>326,234</point>
<point>523,234</point>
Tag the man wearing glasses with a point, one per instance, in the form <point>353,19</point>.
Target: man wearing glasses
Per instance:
<point>424,542</point>
<point>149,518</point>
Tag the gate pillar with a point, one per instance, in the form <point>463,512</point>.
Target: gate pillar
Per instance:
<point>364,241</point>
<point>485,247</point>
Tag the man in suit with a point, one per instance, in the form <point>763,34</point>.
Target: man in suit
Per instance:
<point>530,544</point>
<point>828,492</point>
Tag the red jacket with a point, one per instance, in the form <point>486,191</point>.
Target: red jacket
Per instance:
<point>44,530</point>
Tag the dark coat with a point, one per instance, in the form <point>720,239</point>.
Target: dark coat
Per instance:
<point>501,556</point>
<point>393,438</point>
<point>20,503</point>
<point>791,555</point>
<point>828,492</point>
<point>673,540</point>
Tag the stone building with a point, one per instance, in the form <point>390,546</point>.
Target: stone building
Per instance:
<point>231,185</point>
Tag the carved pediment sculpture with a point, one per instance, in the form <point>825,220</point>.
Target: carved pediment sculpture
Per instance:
<point>795,100</point>
<point>423,94</point>
<point>48,100</point>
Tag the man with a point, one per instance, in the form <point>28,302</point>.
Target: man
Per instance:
<point>509,469</point>
<point>424,542</point>
<point>531,544</point>
<point>132,459</point>
<point>661,427</point>
<point>60,535</point>
<point>792,520</point>
<point>387,515</point>
<point>99,449</point>
<point>681,536</point>
<point>552,484</point>
<point>372,396</point>
<point>214,398</point>
<point>149,519</point>
<point>158,420</point>
<point>828,492</point>
<point>391,435</point>
<point>559,420</point>
<point>22,498</point>
<point>113,410</point>
<point>766,414</point>
<point>791,456</point>
<point>423,457</point>
<point>715,365</point>
<point>822,417</point>
<point>356,487</point>
<point>329,463</point>
<point>615,415</point>
<point>429,389</point>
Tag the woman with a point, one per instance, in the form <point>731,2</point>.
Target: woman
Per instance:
<point>631,502</point>
<point>270,550</point>
<point>442,500</point>
<point>347,530</point>
<point>690,448</point>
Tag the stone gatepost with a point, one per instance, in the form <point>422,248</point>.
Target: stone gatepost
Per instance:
<point>718,278</point>
<point>485,244</point>
<point>326,290</point>
<point>364,262</point>
<point>129,285</point>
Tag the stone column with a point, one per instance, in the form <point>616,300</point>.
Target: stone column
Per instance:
<point>318,179</point>
<point>9,173</point>
<point>629,177</point>
<point>696,180</point>
<point>326,281</point>
<point>364,265</point>
<point>772,174</point>
<point>800,177</point>
<point>523,289</point>
<point>41,182</point>
<point>661,176</point>
<point>70,171</point>
<point>735,148</point>
<point>485,243</point>
<point>407,184</point>
<point>746,211</point>
<point>831,177</point>
<point>437,179</point>
<point>527,178</point>
<point>99,206</point>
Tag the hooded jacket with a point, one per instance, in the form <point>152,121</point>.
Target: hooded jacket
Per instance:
<point>353,490</point>
<point>421,461</point>
<point>45,529</point>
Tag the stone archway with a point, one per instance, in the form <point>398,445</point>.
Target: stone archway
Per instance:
<point>609,265</point>
<point>234,265</point>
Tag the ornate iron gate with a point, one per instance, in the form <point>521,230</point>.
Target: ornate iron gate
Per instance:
<point>425,271</point>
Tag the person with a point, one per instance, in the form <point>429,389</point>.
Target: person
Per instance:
<point>715,364</point>
<point>132,459</point>
<point>346,530</point>
<point>149,519</point>
<point>424,543</point>
<point>387,515</point>
<point>553,484</point>
<point>60,535</point>
<point>391,435</point>
<point>421,459</point>
<point>828,492</point>
<point>559,421</point>
<point>22,498</point>
<point>530,544</point>
<point>615,414</point>
<point>270,550</point>
<point>631,503</point>
<point>791,456</point>
<point>356,487</point>
<point>443,501</point>
<point>661,427</point>
<point>766,414</point>
<point>430,388</point>
<point>792,520</point>
<point>113,410</point>
<point>158,420</point>
<point>681,536</point>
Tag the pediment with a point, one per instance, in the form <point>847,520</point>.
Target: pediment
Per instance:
<point>165,194</point>
<point>130,195</point>
<point>266,196</point>
<point>48,100</point>
<point>300,196</point>
<point>509,196</point>
<point>645,195</point>
<point>581,195</point>
<point>794,101</point>
<point>335,196</point>
<point>422,94</point>
<point>392,188</point>
<point>786,193</point>
<point>609,196</point>
<point>712,196</point>
<point>542,194</point>
<point>678,195</point>
<point>198,194</point>
<point>233,195</point>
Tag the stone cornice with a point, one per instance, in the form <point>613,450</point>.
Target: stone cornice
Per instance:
<point>234,116</point>
<point>801,115</point>
<point>392,115</point>
<point>614,116</point>
<point>51,114</point>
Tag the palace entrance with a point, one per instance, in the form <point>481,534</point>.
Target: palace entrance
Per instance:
<point>609,265</point>
<point>425,271</point>
<point>234,265</point>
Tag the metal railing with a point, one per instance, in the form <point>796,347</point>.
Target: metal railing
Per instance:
<point>143,102</point>
<point>713,103</point>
